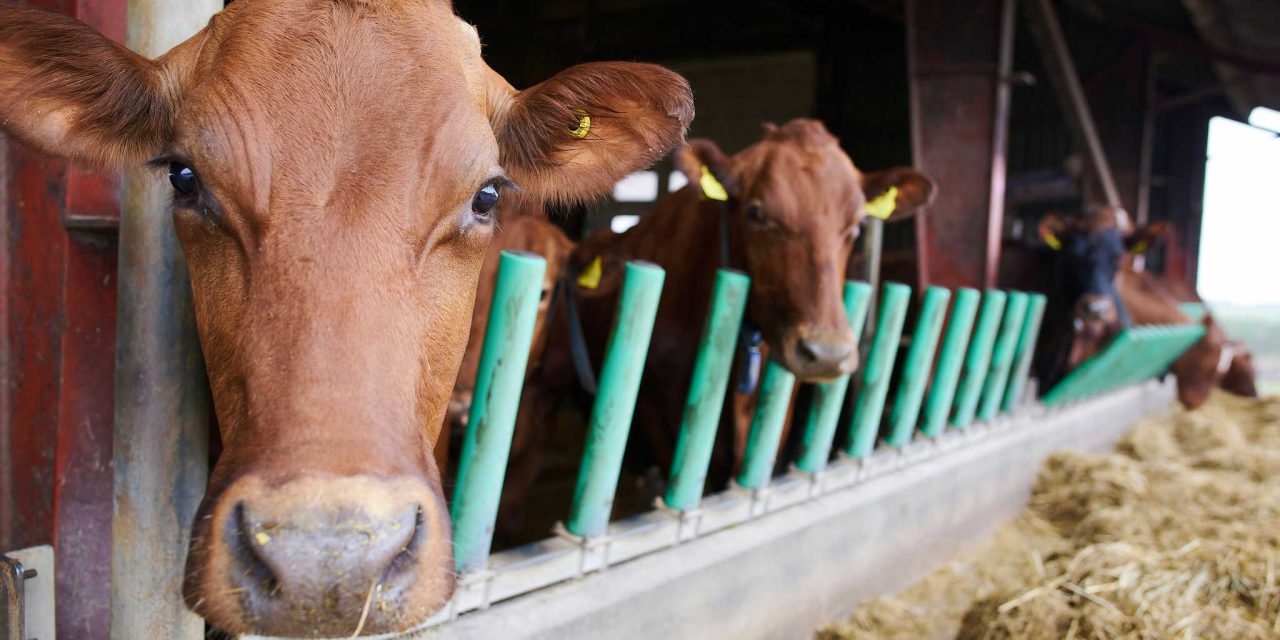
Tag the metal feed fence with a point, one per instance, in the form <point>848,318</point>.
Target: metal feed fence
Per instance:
<point>961,368</point>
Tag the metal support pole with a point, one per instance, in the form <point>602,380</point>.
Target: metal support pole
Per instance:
<point>878,370</point>
<point>1025,352</point>
<point>947,374</point>
<point>499,381</point>
<point>615,403</point>
<point>915,369</point>
<point>978,360</point>
<point>766,427</point>
<point>1062,72</point>
<point>1015,313</point>
<point>828,398</point>
<point>162,406</point>
<point>706,390</point>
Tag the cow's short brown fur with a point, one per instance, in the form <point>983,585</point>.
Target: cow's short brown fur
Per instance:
<point>333,255</point>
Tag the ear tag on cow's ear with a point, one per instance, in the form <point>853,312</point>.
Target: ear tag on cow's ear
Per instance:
<point>884,205</point>
<point>711,188</point>
<point>590,278</point>
<point>1053,242</point>
<point>1140,247</point>
<point>584,125</point>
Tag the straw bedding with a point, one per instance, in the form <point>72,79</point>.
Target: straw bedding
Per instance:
<point>1176,535</point>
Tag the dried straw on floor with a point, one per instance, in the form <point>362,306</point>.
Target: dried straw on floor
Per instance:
<point>1177,535</point>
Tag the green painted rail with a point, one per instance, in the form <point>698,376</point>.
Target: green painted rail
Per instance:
<point>828,398</point>
<point>1136,354</point>
<point>878,370</point>
<point>706,396</point>
<point>1025,353</point>
<point>616,400</point>
<point>916,366</point>
<point>1002,354</point>
<point>977,360</point>
<point>766,427</point>
<point>499,380</point>
<point>946,374</point>
<point>1194,311</point>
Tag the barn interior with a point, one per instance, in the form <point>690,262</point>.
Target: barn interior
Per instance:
<point>1010,120</point>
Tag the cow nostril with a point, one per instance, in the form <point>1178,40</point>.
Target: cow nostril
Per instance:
<point>246,545</point>
<point>823,350</point>
<point>402,563</point>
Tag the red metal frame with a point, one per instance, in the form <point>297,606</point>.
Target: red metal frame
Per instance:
<point>58,251</point>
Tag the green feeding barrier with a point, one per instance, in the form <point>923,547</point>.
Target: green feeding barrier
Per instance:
<point>878,369</point>
<point>1194,311</point>
<point>499,381</point>
<point>915,369</point>
<point>977,360</point>
<point>1002,354</point>
<point>979,356</point>
<point>615,400</point>
<point>1136,354</point>
<point>1026,350</point>
<point>766,427</point>
<point>828,398</point>
<point>710,379</point>
<point>946,375</point>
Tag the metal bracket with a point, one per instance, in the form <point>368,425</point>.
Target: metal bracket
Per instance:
<point>26,593</point>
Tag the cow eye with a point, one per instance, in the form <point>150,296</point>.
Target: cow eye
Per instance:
<point>184,180</point>
<point>755,213</point>
<point>485,201</point>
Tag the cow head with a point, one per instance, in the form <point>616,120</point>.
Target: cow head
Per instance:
<point>525,230</point>
<point>336,168</point>
<point>1089,251</point>
<point>794,205</point>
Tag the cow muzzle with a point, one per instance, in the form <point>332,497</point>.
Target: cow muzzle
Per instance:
<point>819,355</point>
<point>324,556</point>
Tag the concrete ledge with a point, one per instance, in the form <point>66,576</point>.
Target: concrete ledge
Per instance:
<point>786,573</point>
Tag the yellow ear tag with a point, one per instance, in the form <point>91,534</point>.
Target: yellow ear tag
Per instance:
<point>1053,242</point>
<point>1140,247</point>
<point>884,205</point>
<point>590,279</point>
<point>584,125</point>
<point>711,188</point>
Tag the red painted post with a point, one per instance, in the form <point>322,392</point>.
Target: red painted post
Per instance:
<point>957,121</point>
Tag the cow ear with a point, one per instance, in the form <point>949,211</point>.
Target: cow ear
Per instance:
<point>1050,230</point>
<point>897,193</point>
<point>574,136</point>
<point>705,165</point>
<point>69,91</point>
<point>1145,238</point>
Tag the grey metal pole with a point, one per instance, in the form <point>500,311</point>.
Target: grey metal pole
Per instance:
<point>162,400</point>
<point>1062,71</point>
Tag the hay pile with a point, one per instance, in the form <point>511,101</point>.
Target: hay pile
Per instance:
<point>1177,535</point>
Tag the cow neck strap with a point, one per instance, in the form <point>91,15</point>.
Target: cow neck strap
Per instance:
<point>577,337</point>
<point>749,337</point>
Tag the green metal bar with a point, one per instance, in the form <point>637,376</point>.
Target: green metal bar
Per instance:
<point>947,374</point>
<point>828,398</point>
<point>616,399</point>
<point>1015,313</point>
<point>766,426</point>
<point>915,369</point>
<point>878,370</point>
<point>499,380</point>
<point>1026,352</point>
<point>978,359</point>
<point>706,390</point>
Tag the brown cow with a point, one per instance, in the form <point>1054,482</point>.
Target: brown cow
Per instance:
<point>335,166</point>
<point>523,228</point>
<point>794,206</point>
<point>1094,292</point>
<point>1213,361</point>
